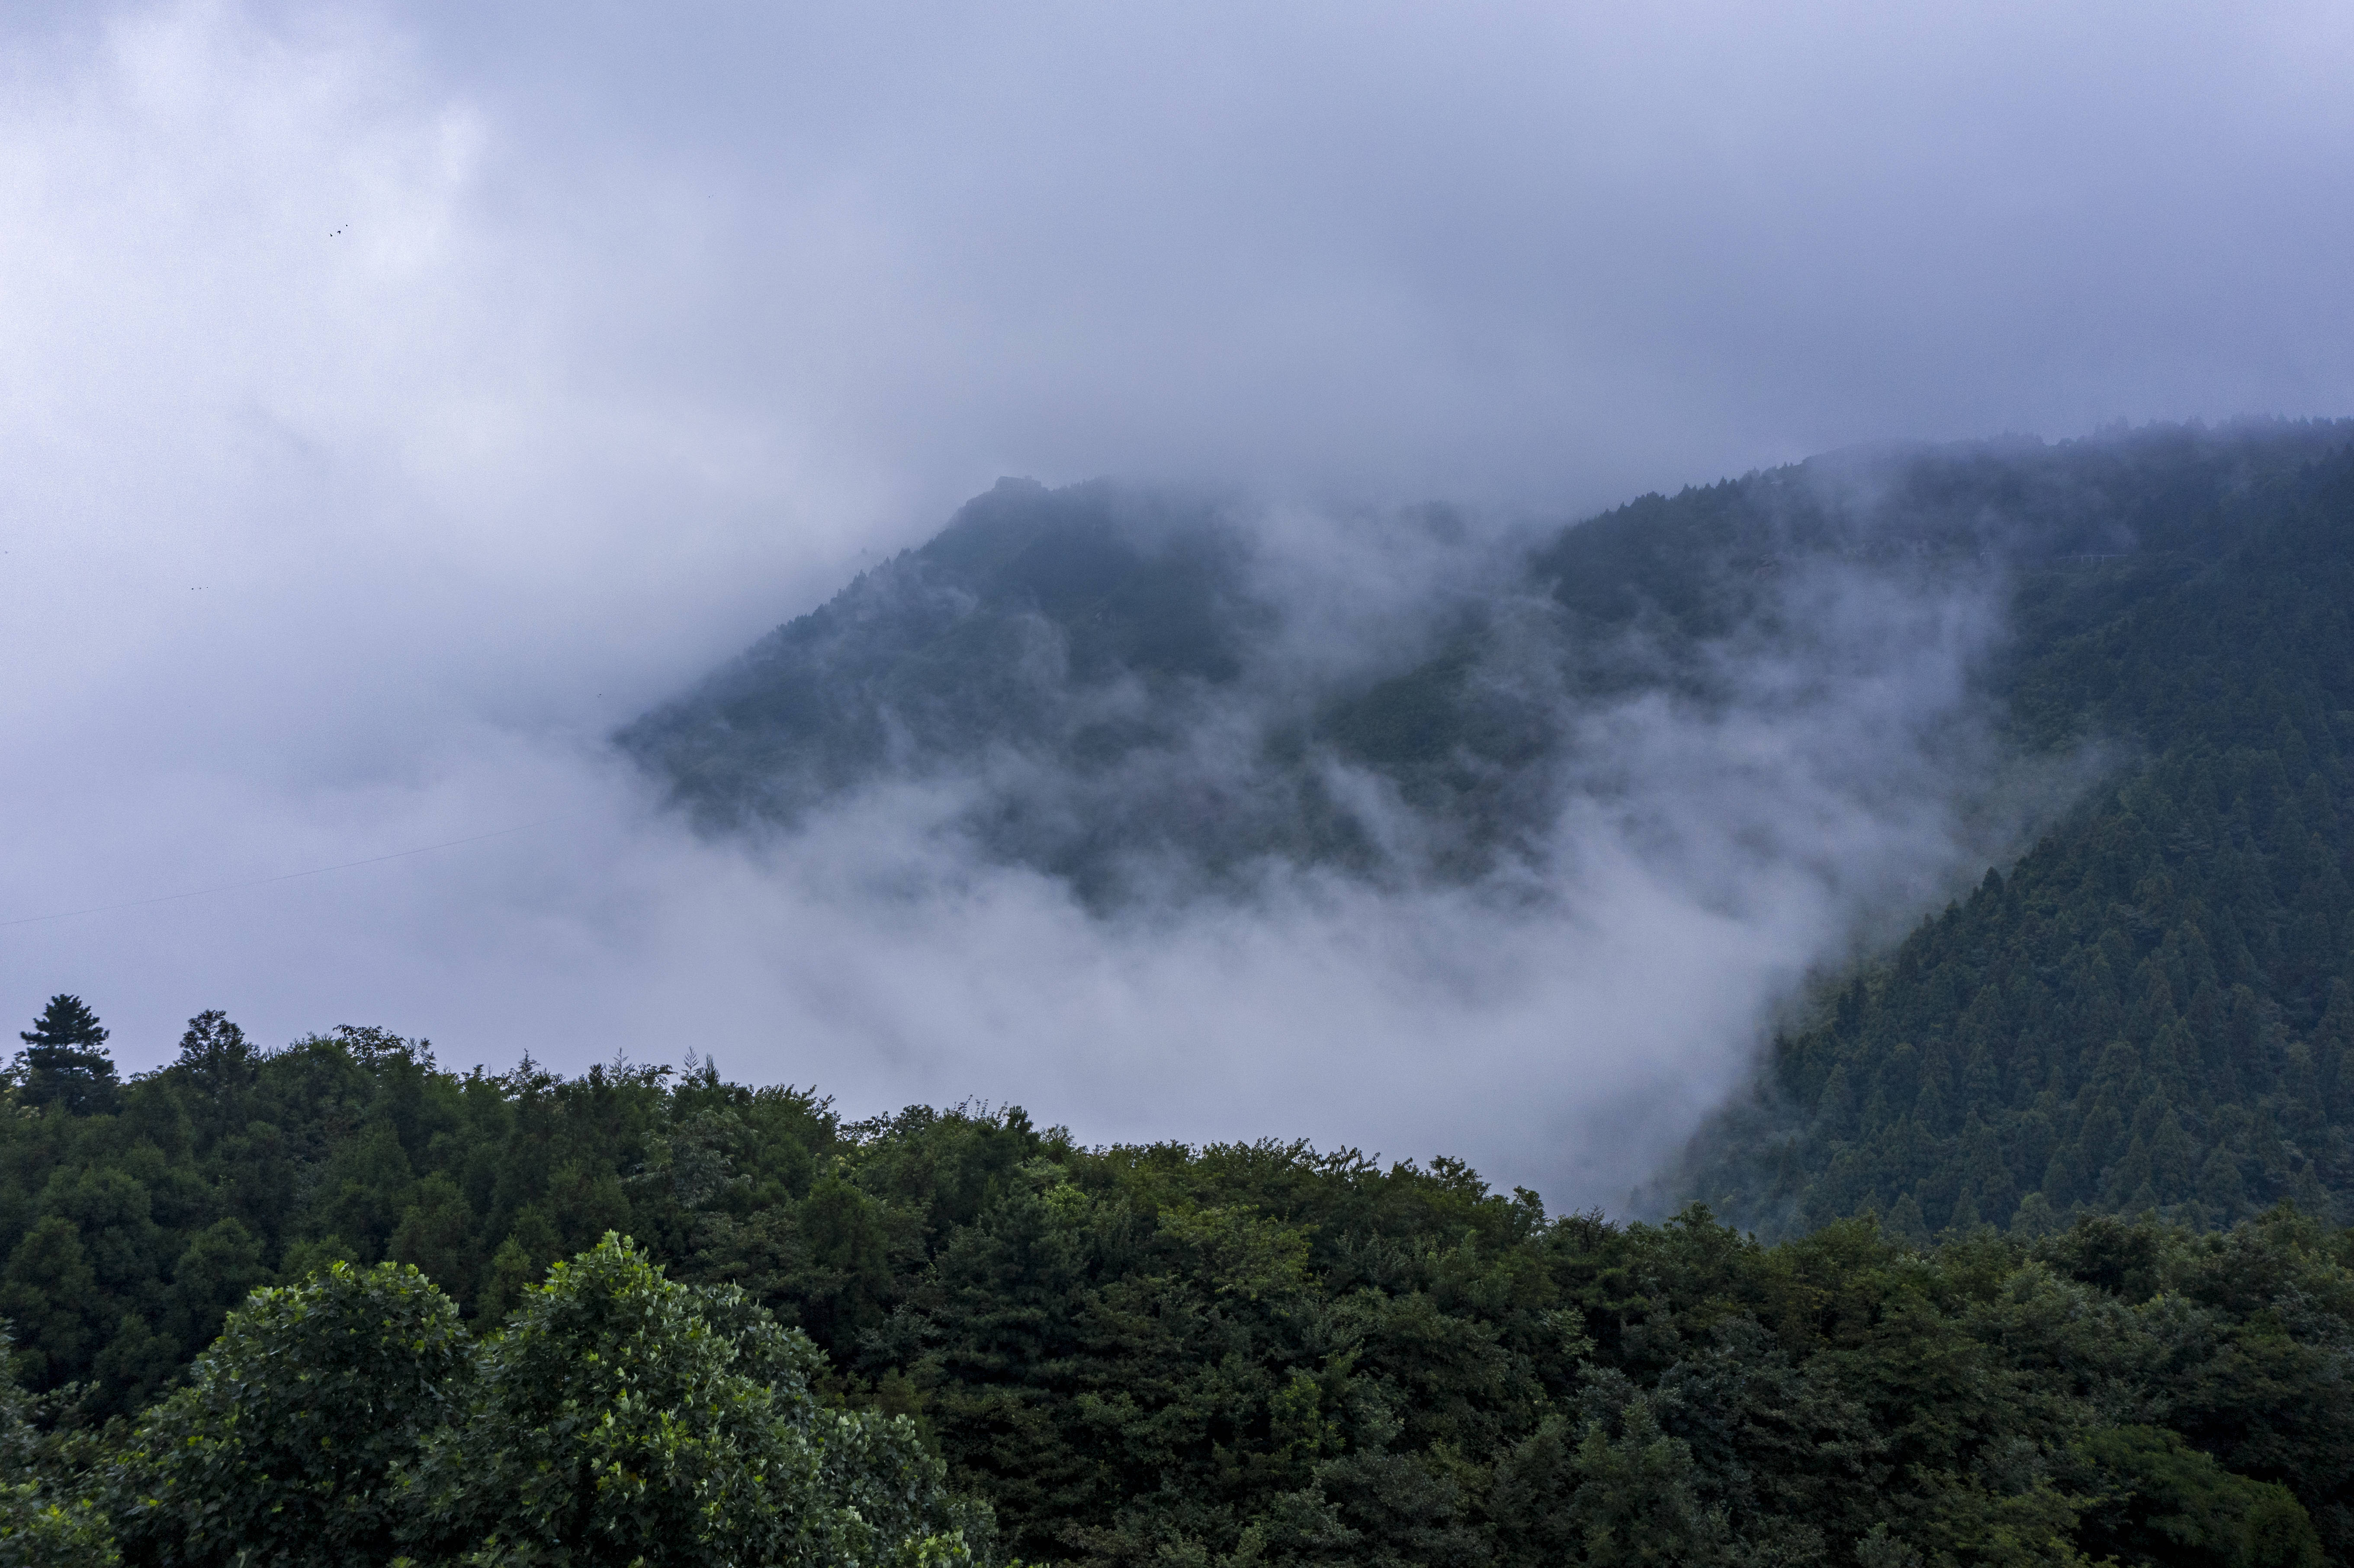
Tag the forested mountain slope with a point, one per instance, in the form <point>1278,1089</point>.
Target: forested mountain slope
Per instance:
<point>1070,620</point>
<point>2145,1010</point>
<point>1108,674</point>
<point>2039,1299</point>
<point>1052,652</point>
<point>2150,1011</point>
<point>1232,1355</point>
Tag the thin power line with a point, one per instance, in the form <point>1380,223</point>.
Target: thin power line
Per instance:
<point>264,881</point>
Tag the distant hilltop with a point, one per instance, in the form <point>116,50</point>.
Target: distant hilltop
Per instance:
<point>2146,1008</point>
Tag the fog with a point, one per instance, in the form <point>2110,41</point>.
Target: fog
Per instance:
<point>397,401</point>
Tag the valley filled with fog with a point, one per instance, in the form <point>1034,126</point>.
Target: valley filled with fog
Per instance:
<point>398,412</point>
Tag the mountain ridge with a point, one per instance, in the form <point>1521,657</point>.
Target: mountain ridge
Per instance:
<point>1093,626</point>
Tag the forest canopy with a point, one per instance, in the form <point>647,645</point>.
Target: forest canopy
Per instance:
<point>980,1337</point>
<point>2150,1012</point>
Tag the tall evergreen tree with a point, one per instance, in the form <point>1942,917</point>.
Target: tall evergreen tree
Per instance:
<point>64,1061</point>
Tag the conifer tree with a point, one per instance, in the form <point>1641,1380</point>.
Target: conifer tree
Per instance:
<point>64,1061</point>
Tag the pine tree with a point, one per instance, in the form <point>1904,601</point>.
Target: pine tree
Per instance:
<point>64,1061</point>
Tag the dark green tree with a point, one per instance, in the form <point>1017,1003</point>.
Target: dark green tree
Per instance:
<point>622,1417</point>
<point>2165,1502</point>
<point>284,1446</point>
<point>42,1523</point>
<point>64,1062</point>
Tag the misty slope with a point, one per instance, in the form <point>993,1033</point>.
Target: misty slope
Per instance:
<point>2150,1011</point>
<point>1104,681</point>
<point>998,633</point>
<point>1059,654</point>
<point>1112,685</point>
<point>1098,678</point>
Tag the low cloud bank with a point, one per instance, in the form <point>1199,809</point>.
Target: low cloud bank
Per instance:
<point>396,406</point>
<point>1563,1022</point>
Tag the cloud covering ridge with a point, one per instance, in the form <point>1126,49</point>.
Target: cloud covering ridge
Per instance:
<point>402,399</point>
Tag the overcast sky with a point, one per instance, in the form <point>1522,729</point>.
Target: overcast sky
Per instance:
<point>392,400</point>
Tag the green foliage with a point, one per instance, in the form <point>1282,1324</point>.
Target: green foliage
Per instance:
<point>64,1062</point>
<point>47,1518</point>
<point>1236,1354</point>
<point>622,1417</point>
<point>285,1445</point>
<point>38,1530</point>
<point>2152,1011</point>
<point>617,1418</point>
<point>1636,1499</point>
<point>126,1235</point>
<point>2168,1502</point>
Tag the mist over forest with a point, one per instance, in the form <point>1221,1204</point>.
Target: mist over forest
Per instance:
<point>2018,773</point>
<point>1329,784</point>
<point>424,399</point>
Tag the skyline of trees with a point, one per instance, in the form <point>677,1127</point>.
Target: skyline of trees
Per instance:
<point>1238,1354</point>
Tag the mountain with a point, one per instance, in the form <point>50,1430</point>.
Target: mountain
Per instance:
<point>1071,620</point>
<point>2144,1009</point>
<point>2149,1011</point>
<point>984,1339</point>
<point>1076,666</point>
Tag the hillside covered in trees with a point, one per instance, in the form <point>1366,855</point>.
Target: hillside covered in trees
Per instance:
<point>2025,1247</point>
<point>2150,1011</point>
<point>1259,1354</point>
<point>2146,1009</point>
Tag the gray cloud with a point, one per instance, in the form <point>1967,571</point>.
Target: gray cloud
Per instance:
<point>399,399</point>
